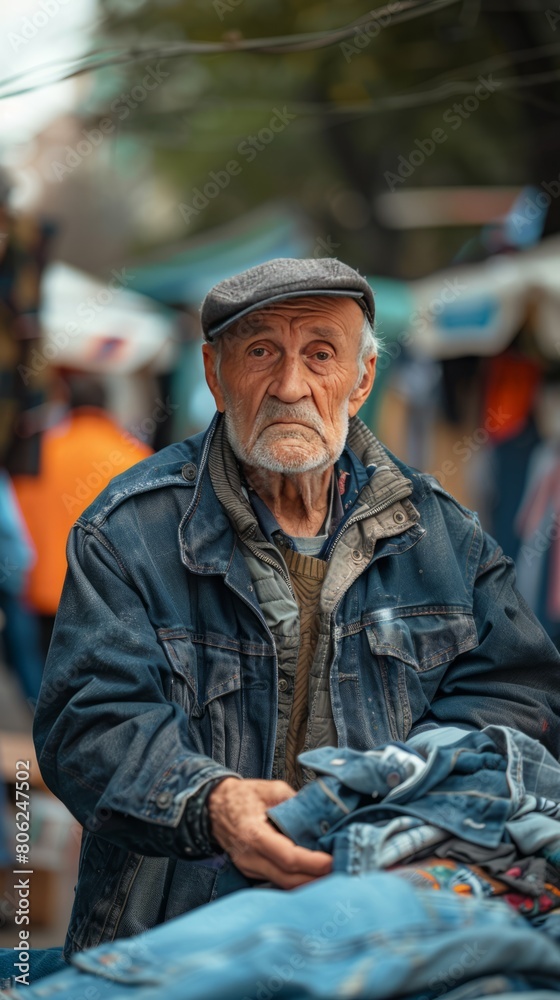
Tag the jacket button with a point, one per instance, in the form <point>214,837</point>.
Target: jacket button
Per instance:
<point>357,555</point>
<point>164,799</point>
<point>188,472</point>
<point>399,517</point>
<point>282,685</point>
<point>393,779</point>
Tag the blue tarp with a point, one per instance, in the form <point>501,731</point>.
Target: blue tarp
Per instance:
<point>186,274</point>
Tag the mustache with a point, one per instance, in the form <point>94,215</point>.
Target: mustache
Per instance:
<point>273,409</point>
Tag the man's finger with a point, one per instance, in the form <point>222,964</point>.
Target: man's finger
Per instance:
<point>287,856</point>
<point>256,866</point>
<point>274,792</point>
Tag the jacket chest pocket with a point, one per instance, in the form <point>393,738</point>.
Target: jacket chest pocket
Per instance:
<point>223,685</point>
<point>206,683</point>
<point>413,648</point>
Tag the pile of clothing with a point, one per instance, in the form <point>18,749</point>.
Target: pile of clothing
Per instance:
<point>477,819</point>
<point>480,816</point>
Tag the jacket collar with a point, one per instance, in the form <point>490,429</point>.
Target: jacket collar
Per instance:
<point>207,541</point>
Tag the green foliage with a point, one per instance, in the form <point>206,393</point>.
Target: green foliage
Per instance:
<point>340,139</point>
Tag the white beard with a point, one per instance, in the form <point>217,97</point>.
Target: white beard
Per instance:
<point>259,451</point>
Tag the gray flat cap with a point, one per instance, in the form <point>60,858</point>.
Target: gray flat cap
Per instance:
<point>283,278</point>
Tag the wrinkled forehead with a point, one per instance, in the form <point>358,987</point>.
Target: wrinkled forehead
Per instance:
<point>327,314</point>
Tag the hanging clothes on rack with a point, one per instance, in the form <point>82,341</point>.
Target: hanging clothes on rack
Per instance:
<point>511,383</point>
<point>538,527</point>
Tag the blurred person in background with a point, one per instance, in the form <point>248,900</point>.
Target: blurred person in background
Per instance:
<point>80,454</point>
<point>20,630</point>
<point>23,390</point>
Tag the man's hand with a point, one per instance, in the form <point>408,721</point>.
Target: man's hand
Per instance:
<point>237,810</point>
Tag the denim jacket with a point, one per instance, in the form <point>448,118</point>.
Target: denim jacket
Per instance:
<point>162,673</point>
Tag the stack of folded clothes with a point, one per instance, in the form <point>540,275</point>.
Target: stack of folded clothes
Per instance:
<point>477,819</point>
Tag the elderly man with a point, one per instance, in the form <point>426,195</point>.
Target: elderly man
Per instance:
<point>277,583</point>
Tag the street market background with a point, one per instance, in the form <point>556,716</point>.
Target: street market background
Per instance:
<point>149,148</point>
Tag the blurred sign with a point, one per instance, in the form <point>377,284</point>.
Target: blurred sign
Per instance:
<point>422,208</point>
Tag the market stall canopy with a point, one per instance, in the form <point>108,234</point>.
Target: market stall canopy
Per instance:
<point>103,327</point>
<point>478,309</point>
<point>394,306</point>
<point>184,274</point>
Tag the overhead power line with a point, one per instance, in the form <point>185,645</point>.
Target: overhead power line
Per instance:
<point>393,13</point>
<point>422,95</point>
<point>387,102</point>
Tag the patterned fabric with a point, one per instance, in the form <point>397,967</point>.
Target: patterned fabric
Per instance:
<point>531,900</point>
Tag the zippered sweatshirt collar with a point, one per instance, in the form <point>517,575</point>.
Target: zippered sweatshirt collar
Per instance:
<point>207,542</point>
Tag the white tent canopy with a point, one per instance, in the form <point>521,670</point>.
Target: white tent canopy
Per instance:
<point>103,327</point>
<point>479,308</point>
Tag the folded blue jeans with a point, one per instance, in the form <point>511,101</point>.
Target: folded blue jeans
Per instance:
<point>376,937</point>
<point>42,962</point>
<point>462,789</point>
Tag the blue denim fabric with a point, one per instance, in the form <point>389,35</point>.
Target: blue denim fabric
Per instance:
<point>17,552</point>
<point>364,847</point>
<point>533,777</point>
<point>162,672</point>
<point>486,788</point>
<point>42,962</point>
<point>549,924</point>
<point>531,768</point>
<point>22,644</point>
<point>505,987</point>
<point>462,789</point>
<point>374,937</point>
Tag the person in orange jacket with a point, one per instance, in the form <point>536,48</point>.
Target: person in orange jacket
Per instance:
<point>79,455</point>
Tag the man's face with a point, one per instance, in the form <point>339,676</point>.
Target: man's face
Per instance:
<point>287,382</point>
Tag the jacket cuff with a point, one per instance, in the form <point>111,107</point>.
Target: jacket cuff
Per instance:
<point>195,830</point>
